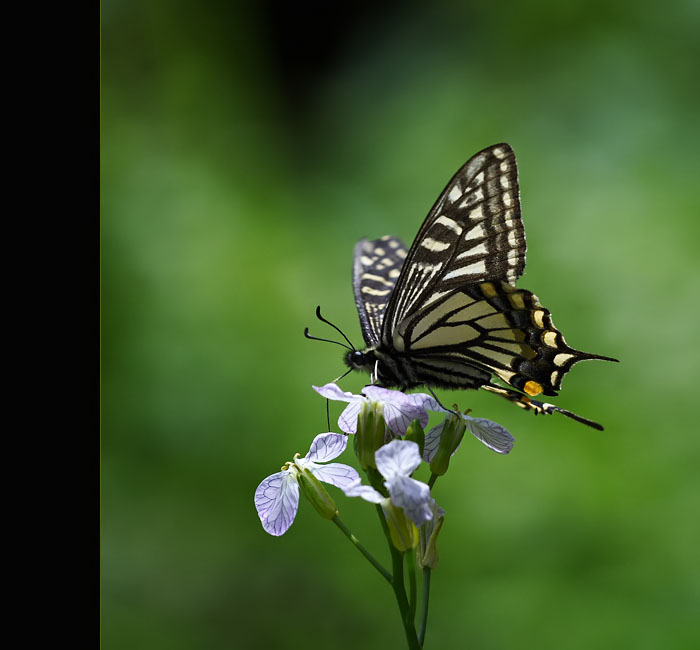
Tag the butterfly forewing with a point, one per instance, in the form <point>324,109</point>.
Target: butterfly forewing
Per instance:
<point>376,268</point>
<point>473,232</point>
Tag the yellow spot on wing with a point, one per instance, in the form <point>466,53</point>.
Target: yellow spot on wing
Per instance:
<point>488,289</point>
<point>537,318</point>
<point>561,358</point>
<point>516,299</point>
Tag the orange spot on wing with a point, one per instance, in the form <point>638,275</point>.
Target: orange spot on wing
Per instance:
<point>532,388</point>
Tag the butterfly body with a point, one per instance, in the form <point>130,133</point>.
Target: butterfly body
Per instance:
<point>447,313</point>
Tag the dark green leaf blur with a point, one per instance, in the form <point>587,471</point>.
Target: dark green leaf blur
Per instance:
<point>246,147</point>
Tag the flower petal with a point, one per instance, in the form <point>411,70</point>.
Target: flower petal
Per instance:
<point>333,391</point>
<point>492,434</point>
<point>397,458</point>
<point>277,501</point>
<point>327,446</point>
<point>337,474</point>
<point>379,394</point>
<point>366,492</point>
<point>426,402</point>
<point>411,495</point>
<point>399,416</point>
<point>348,418</point>
<point>432,441</point>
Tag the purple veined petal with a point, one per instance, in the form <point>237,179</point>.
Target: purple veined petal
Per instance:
<point>399,415</point>
<point>277,501</point>
<point>432,441</point>
<point>366,492</point>
<point>342,476</point>
<point>413,496</point>
<point>333,391</point>
<point>379,394</point>
<point>492,434</point>
<point>327,446</point>
<point>426,402</point>
<point>397,458</point>
<point>348,418</point>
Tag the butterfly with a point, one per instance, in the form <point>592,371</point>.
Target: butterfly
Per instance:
<point>446,313</point>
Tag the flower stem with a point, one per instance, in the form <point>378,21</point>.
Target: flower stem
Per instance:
<point>412,591</point>
<point>399,588</point>
<point>424,605</point>
<point>402,601</point>
<point>346,531</point>
<point>431,481</point>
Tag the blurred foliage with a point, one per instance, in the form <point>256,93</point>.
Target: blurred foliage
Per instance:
<point>245,149</point>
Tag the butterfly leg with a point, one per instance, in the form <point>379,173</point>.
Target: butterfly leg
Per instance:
<point>529,404</point>
<point>441,404</point>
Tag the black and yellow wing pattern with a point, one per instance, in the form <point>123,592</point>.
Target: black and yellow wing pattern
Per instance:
<point>447,313</point>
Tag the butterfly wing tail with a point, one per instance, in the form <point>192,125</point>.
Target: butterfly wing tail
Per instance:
<point>529,404</point>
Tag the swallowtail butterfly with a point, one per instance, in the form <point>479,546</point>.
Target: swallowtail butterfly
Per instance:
<point>447,313</point>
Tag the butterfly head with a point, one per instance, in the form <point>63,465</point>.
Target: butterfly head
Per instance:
<point>363,360</point>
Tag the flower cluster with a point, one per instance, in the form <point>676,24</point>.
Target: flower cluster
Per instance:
<point>390,444</point>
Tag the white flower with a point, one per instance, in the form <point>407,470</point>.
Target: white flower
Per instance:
<point>492,434</point>
<point>399,409</point>
<point>396,461</point>
<point>277,496</point>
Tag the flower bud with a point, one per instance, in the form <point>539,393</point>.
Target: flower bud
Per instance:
<point>404,535</point>
<point>426,553</point>
<point>314,491</point>
<point>371,429</point>
<point>452,434</point>
<point>416,434</point>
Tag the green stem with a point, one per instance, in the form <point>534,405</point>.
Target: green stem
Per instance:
<point>412,591</point>
<point>346,531</point>
<point>398,586</point>
<point>402,601</point>
<point>431,481</point>
<point>424,605</point>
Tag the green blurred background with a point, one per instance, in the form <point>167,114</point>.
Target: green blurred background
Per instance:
<point>245,149</point>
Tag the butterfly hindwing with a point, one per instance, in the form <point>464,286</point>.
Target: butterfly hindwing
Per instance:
<point>376,268</point>
<point>493,326</point>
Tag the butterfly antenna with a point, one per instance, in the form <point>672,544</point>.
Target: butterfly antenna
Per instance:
<point>335,327</point>
<point>345,374</point>
<point>316,338</point>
